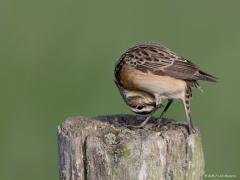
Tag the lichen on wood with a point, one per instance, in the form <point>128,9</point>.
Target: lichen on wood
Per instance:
<point>103,148</point>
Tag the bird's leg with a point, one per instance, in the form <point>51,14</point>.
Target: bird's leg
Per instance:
<point>191,128</point>
<point>142,125</point>
<point>158,100</point>
<point>186,103</point>
<point>170,101</point>
<point>158,105</point>
<point>149,116</point>
<point>145,121</point>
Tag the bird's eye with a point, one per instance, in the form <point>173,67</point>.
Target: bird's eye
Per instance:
<point>139,107</point>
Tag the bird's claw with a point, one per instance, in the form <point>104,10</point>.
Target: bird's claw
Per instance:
<point>192,130</point>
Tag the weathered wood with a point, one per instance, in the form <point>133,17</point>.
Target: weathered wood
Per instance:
<point>103,149</point>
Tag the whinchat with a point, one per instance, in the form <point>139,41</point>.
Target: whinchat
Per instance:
<point>148,73</point>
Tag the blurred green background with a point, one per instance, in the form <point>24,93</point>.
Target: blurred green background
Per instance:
<point>57,60</point>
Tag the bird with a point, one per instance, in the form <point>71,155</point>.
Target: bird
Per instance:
<point>148,73</point>
<point>139,102</point>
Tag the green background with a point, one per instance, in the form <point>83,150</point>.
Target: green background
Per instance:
<point>57,59</point>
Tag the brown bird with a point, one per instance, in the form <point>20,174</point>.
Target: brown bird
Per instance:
<point>148,73</point>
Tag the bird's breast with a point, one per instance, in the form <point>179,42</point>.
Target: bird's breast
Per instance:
<point>164,86</point>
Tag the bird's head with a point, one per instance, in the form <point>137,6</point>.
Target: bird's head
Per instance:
<point>139,102</point>
<point>143,108</point>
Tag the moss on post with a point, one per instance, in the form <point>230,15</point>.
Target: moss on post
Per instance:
<point>102,148</point>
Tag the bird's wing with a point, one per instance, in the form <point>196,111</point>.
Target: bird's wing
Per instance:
<point>162,61</point>
<point>179,69</point>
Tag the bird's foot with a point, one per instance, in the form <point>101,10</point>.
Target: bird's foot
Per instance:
<point>192,129</point>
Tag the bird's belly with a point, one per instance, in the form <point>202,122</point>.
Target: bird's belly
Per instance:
<point>166,87</point>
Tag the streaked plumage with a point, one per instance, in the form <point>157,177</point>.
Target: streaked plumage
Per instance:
<point>157,71</point>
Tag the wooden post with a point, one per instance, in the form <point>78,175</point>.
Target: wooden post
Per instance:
<point>103,149</point>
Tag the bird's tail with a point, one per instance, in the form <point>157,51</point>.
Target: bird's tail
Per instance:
<point>207,77</point>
